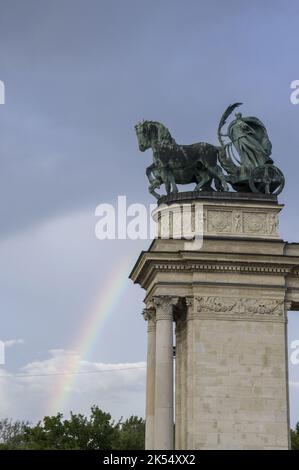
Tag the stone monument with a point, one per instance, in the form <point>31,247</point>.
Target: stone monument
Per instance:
<point>227,296</point>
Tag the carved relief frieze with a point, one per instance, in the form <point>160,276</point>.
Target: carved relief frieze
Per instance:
<point>239,306</point>
<point>241,222</point>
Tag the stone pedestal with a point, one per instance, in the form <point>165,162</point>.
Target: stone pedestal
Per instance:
<point>231,295</point>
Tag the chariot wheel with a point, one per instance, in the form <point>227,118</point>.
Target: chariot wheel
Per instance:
<point>266,179</point>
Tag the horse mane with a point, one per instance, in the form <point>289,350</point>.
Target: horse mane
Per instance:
<point>162,133</point>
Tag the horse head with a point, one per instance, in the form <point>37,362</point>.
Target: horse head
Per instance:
<point>151,133</point>
<point>143,134</point>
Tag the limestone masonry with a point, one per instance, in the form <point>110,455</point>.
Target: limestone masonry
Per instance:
<point>228,302</point>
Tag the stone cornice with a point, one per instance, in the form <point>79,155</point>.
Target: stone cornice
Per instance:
<point>152,267</point>
<point>243,198</point>
<point>274,264</point>
<point>222,268</point>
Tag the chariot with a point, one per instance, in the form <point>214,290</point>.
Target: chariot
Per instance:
<point>265,179</point>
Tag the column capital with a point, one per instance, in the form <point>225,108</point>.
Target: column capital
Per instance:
<point>149,315</point>
<point>164,306</point>
<point>149,312</point>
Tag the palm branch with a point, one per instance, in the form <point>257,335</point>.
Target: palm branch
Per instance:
<point>224,118</point>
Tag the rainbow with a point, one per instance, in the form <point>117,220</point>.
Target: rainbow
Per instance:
<point>108,298</point>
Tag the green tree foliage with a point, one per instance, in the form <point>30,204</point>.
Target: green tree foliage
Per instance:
<point>96,432</point>
<point>12,434</point>
<point>131,435</point>
<point>295,438</point>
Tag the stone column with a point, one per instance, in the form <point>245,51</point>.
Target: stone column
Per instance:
<point>178,383</point>
<point>287,307</point>
<point>149,316</point>
<point>188,430</point>
<point>164,426</point>
<point>180,378</point>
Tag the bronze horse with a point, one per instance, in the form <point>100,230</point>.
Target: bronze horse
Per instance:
<point>179,164</point>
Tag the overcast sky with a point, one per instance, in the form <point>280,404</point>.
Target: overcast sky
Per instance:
<point>78,75</point>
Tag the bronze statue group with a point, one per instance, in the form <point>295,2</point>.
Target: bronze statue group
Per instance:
<point>243,161</point>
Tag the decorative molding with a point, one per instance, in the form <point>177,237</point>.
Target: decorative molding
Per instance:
<point>223,268</point>
<point>151,267</point>
<point>240,306</point>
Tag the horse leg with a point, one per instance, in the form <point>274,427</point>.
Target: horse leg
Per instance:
<point>169,181</point>
<point>219,177</point>
<point>218,185</point>
<point>149,172</point>
<point>167,187</point>
<point>203,179</point>
<point>155,184</point>
<point>153,192</point>
<point>173,184</point>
